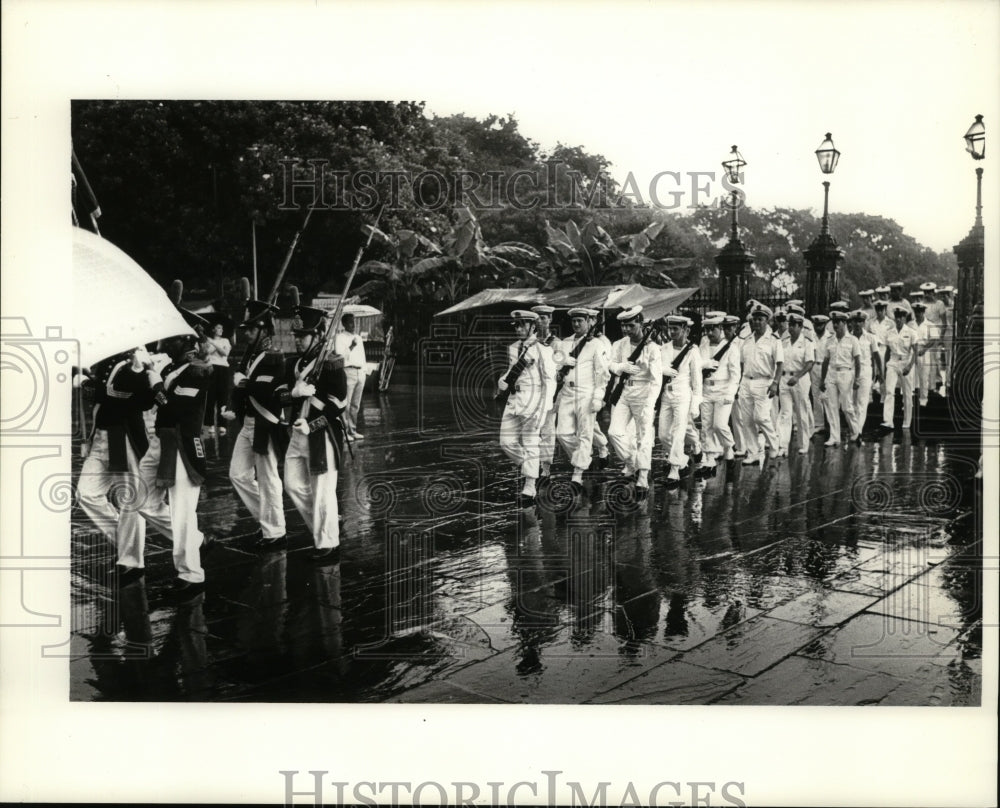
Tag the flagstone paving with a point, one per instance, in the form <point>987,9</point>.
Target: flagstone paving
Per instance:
<point>845,577</point>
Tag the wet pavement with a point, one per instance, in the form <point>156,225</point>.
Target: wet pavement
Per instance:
<point>848,576</point>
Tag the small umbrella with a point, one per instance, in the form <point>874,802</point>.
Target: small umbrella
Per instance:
<point>118,305</point>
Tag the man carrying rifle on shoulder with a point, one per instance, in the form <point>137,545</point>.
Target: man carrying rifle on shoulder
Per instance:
<point>580,392</point>
<point>601,442</point>
<point>263,437</point>
<point>547,437</point>
<point>635,359</point>
<point>526,388</point>
<point>682,391</point>
<point>720,380</point>
<point>317,442</point>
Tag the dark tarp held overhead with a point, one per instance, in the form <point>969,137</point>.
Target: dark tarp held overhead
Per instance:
<point>655,302</point>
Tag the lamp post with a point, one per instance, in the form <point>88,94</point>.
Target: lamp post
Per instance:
<point>966,374</point>
<point>822,256</point>
<point>733,261</point>
<point>969,251</point>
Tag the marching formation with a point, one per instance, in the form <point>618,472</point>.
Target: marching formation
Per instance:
<point>290,410</point>
<point>745,388</point>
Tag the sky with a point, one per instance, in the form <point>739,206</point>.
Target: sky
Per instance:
<point>671,87</point>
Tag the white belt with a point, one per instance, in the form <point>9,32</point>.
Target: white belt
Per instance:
<point>264,412</point>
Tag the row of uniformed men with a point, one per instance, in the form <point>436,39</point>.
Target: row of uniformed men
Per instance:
<point>749,387</point>
<point>162,473</point>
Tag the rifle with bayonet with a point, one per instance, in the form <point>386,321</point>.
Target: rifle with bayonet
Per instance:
<point>575,353</point>
<point>333,323</point>
<point>616,385</point>
<point>512,375</point>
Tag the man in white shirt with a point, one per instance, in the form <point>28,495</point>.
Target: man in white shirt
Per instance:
<point>928,343</point>
<point>822,336</point>
<point>547,435</point>
<point>731,326</point>
<point>867,304</point>
<point>721,378</point>
<point>871,368</point>
<point>631,428</point>
<point>900,355</point>
<point>581,396</point>
<point>947,325</point>
<point>600,439</point>
<point>762,357</point>
<point>528,381</point>
<point>682,389</point>
<point>800,354</point>
<point>841,374</point>
<point>350,346</point>
<point>897,299</point>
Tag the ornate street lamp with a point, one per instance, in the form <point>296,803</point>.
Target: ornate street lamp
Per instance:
<point>733,261</point>
<point>967,351</point>
<point>822,256</point>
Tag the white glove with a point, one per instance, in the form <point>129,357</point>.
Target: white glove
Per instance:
<point>669,373</point>
<point>301,425</point>
<point>711,364</point>
<point>303,389</point>
<point>631,369</point>
<point>569,361</point>
<point>238,378</point>
<point>596,404</point>
<point>227,414</point>
<point>154,378</point>
<point>502,385</point>
<point>141,359</point>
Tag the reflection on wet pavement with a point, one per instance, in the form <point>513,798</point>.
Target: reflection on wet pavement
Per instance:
<point>848,576</point>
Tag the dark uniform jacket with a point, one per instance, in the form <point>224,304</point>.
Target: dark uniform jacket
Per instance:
<point>120,397</point>
<point>180,400</point>
<point>325,407</point>
<point>261,400</point>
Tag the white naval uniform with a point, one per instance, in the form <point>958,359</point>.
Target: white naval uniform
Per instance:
<point>760,358</point>
<point>928,364</point>
<point>795,407</point>
<point>581,397</point>
<point>863,394</point>
<point>816,376</point>
<point>901,345</point>
<point>547,434</point>
<point>681,397</point>
<point>719,392</point>
<point>530,400</point>
<point>840,383</point>
<point>600,439</point>
<point>631,428</point>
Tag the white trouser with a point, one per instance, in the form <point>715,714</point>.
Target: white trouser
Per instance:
<point>631,428</point>
<point>739,428</point>
<point>818,405</point>
<point>893,376</point>
<point>927,368</point>
<point>716,436</point>
<point>675,422</point>
<point>355,389</point>
<point>125,529</point>
<point>755,413</point>
<point>174,512</point>
<point>795,409</point>
<point>840,396</point>
<point>862,398</point>
<point>519,436</point>
<point>314,495</point>
<point>261,493</point>
<point>600,440</point>
<point>547,438</point>
<point>575,424</point>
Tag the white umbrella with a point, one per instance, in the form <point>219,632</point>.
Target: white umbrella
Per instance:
<point>118,306</point>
